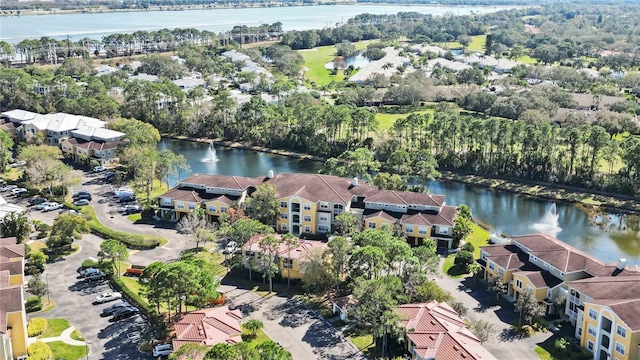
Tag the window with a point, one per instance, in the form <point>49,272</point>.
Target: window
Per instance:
<point>307,229</point>
<point>192,206</point>
<point>212,208</point>
<point>283,204</point>
<point>621,331</point>
<point>591,330</point>
<point>180,205</point>
<point>307,206</point>
<point>491,266</point>
<point>324,205</point>
<point>529,289</point>
<point>372,225</point>
<point>323,228</point>
<point>519,284</point>
<point>590,345</point>
<point>223,209</point>
<point>408,228</point>
<point>593,314</point>
<point>579,332</point>
<point>500,271</point>
<point>283,216</point>
<point>283,227</point>
<point>620,348</point>
<point>323,218</point>
<point>307,218</point>
<point>287,263</point>
<point>422,230</point>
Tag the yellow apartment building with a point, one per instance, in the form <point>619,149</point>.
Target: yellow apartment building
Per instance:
<point>13,319</point>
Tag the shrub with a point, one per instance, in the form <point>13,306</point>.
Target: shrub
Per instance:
<point>89,264</point>
<point>463,259</point>
<point>468,247</point>
<point>39,351</point>
<point>146,346</point>
<point>33,304</point>
<point>36,326</point>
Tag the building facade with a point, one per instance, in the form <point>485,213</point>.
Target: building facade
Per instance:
<point>13,318</point>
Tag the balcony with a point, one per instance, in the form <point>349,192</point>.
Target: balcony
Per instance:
<point>295,208</point>
<point>604,341</point>
<point>295,219</point>
<point>606,324</point>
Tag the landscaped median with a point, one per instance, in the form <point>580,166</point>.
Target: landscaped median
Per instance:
<point>133,241</point>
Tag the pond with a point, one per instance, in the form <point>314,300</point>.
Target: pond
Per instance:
<point>357,61</point>
<point>617,237</point>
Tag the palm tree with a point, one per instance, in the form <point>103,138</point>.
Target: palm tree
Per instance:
<point>16,225</point>
<point>253,326</point>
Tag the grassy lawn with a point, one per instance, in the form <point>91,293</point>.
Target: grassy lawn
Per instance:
<point>95,224</point>
<point>543,354</point>
<point>157,188</point>
<point>386,121</point>
<point>55,327</point>
<point>478,43</point>
<point>134,217</point>
<point>75,335</point>
<point>449,45</point>
<point>527,59</point>
<point>65,351</point>
<point>12,174</point>
<point>478,237</point>
<point>216,259</point>
<point>316,58</point>
<point>38,245</point>
<point>362,342</point>
<point>260,338</point>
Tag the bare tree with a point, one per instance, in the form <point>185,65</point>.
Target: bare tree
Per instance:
<point>195,224</point>
<point>483,330</point>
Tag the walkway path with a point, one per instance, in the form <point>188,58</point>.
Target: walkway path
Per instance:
<point>65,337</point>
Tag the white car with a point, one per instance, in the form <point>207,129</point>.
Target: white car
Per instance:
<point>232,247</point>
<point>108,296</point>
<point>52,206</point>
<point>162,350</point>
<point>18,191</point>
<point>99,168</point>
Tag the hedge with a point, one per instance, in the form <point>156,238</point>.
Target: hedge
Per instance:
<point>33,304</point>
<point>36,326</point>
<point>39,351</point>
<point>132,241</point>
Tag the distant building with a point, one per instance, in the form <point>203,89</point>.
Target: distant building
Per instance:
<point>208,327</point>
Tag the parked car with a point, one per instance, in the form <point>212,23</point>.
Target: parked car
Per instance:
<point>69,211</point>
<point>81,202</point>
<point>99,169</point>
<point>17,163</point>
<point>108,296</point>
<point>113,308</point>
<point>125,313</point>
<point>130,209</point>
<point>88,271</point>
<point>52,206</point>
<point>109,175</point>
<point>162,350</point>
<point>18,191</point>
<point>127,199</point>
<point>81,193</point>
<point>95,276</point>
<point>231,248</point>
<point>8,188</point>
<point>83,196</point>
<point>42,205</point>
<point>37,200</point>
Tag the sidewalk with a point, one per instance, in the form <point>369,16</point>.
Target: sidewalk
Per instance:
<point>65,337</point>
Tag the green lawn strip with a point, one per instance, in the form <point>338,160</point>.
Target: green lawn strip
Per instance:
<point>11,174</point>
<point>65,351</point>
<point>260,338</point>
<point>55,327</point>
<point>157,188</point>
<point>478,43</point>
<point>478,238</point>
<point>362,342</point>
<point>75,335</point>
<point>386,121</point>
<point>134,217</point>
<point>543,354</point>
<point>131,240</point>
<point>527,59</point>
<point>315,60</point>
<point>216,259</point>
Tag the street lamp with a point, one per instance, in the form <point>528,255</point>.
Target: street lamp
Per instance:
<point>46,276</point>
<point>86,344</point>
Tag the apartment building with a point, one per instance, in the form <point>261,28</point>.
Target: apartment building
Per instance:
<point>13,319</point>
<point>435,331</point>
<point>288,259</point>
<point>309,204</point>
<point>602,300</point>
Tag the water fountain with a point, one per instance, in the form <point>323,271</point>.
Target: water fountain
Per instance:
<point>549,222</point>
<point>211,154</point>
<point>496,238</point>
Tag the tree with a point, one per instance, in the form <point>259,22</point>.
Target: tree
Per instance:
<point>137,132</point>
<point>193,351</point>
<point>348,223</point>
<point>497,285</point>
<point>37,286</point>
<point>528,307</point>
<point>458,307</point>
<point>291,242</point>
<point>483,330</point>
<point>38,258</point>
<point>430,290</point>
<point>461,229</point>
<point>338,259</point>
<point>16,224</point>
<point>195,225</point>
<point>262,205</point>
<point>222,351</point>
<point>67,228</point>
<point>474,269</point>
<point>463,259</point>
<point>6,148</point>
<point>270,245</point>
<point>170,164</point>
<point>253,326</point>
<point>269,350</point>
<point>114,250</point>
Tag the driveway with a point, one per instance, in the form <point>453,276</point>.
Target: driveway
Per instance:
<point>294,326</point>
<point>480,305</point>
<point>74,297</point>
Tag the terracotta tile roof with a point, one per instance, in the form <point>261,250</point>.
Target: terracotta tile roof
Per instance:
<point>540,279</point>
<point>446,216</point>
<point>406,198</point>
<point>182,195</point>
<point>508,262</point>
<point>208,327</point>
<point>628,310</point>
<point>436,331</point>
<point>224,198</point>
<point>14,267</point>
<point>500,249</point>
<point>9,249</point>
<point>318,187</point>
<point>381,214</point>
<point>221,181</point>
<point>609,287</point>
<point>302,251</point>
<point>345,302</point>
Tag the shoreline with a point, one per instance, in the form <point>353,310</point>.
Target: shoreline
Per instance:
<point>589,201</point>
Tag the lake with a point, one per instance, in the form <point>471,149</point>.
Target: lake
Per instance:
<point>14,29</point>
<point>505,212</point>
